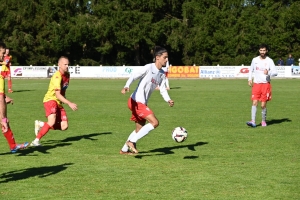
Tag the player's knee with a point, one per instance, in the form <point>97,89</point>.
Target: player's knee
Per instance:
<point>155,123</point>
<point>64,127</point>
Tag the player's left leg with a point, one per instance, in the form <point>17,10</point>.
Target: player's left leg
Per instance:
<point>9,81</point>
<point>266,96</point>
<point>14,147</point>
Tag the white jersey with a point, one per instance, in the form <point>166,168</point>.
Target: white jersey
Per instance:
<point>257,68</point>
<point>150,77</point>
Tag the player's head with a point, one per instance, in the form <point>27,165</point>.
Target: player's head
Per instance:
<point>63,64</point>
<point>2,48</point>
<point>7,51</point>
<point>263,50</point>
<point>160,55</point>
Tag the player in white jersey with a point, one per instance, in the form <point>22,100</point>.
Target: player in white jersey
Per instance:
<point>150,77</point>
<point>262,68</point>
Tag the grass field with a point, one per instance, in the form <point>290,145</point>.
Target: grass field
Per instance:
<point>221,159</point>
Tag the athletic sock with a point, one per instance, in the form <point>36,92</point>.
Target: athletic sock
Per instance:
<point>10,138</point>
<point>144,131</point>
<point>125,147</point>
<point>253,113</point>
<point>264,114</point>
<point>43,131</point>
<point>9,84</point>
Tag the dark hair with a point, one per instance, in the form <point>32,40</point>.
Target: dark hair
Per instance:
<point>2,45</point>
<point>158,51</point>
<point>262,46</point>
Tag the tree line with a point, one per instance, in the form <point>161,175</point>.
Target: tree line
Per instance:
<point>123,32</point>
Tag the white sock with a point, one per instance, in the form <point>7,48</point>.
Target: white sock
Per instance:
<point>41,123</point>
<point>253,113</point>
<point>125,147</point>
<point>144,131</point>
<point>36,140</point>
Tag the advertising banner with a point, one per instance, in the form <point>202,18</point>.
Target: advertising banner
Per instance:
<point>183,72</point>
<point>30,71</point>
<point>217,71</point>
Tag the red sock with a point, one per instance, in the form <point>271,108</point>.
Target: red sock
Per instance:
<point>9,84</point>
<point>43,131</point>
<point>10,138</point>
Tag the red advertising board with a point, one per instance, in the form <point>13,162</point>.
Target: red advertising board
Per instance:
<point>183,72</point>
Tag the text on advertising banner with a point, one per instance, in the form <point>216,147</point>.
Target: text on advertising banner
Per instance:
<point>184,72</point>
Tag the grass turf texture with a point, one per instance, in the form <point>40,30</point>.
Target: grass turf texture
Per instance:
<point>221,159</point>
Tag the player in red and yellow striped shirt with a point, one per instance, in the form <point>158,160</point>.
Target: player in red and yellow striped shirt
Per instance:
<point>4,100</point>
<point>5,70</point>
<point>55,96</point>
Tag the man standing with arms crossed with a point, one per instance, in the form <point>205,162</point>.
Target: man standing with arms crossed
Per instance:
<point>55,96</point>
<point>262,67</point>
<point>4,100</point>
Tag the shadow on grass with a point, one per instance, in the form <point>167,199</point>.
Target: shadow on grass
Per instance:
<point>173,88</point>
<point>39,172</point>
<point>278,121</point>
<point>22,91</point>
<point>168,150</point>
<point>52,144</point>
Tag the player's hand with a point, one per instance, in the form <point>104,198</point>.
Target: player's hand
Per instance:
<point>124,90</point>
<point>266,72</point>
<point>73,106</point>
<point>4,127</point>
<point>250,83</point>
<point>171,103</point>
<point>9,100</point>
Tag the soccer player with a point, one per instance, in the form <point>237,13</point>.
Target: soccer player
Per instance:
<point>5,71</point>
<point>4,100</point>
<point>150,77</point>
<point>262,68</point>
<point>55,96</point>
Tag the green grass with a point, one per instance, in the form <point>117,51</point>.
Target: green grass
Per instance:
<point>221,159</point>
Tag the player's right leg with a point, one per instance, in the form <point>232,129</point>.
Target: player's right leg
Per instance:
<point>51,108</point>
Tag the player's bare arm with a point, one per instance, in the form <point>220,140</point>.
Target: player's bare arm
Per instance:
<point>171,103</point>
<point>266,72</point>
<point>250,83</point>
<point>124,90</point>
<point>60,97</point>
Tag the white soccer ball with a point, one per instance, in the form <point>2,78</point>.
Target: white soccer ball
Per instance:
<point>179,134</point>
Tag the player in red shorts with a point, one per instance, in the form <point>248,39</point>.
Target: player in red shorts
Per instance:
<point>150,76</point>
<point>4,100</point>
<point>5,71</point>
<point>55,96</point>
<point>262,68</point>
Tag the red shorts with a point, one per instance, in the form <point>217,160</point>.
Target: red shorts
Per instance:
<point>51,107</point>
<point>261,92</point>
<point>139,111</point>
<point>166,73</point>
<point>5,74</point>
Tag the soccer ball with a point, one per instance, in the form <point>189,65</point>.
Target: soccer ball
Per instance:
<point>179,134</point>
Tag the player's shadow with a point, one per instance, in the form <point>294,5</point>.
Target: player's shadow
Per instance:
<point>39,172</point>
<point>169,150</point>
<point>173,88</point>
<point>52,144</point>
<point>278,121</point>
<point>22,91</point>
